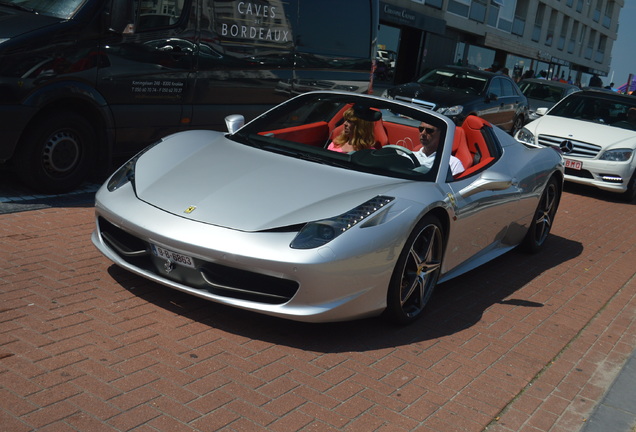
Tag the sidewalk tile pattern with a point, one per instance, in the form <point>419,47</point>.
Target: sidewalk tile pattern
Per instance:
<point>525,343</point>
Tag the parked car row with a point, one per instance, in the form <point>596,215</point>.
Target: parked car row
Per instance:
<point>593,128</point>
<point>459,92</point>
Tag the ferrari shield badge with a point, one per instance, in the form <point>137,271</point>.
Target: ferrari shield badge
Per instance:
<point>168,266</point>
<point>190,209</point>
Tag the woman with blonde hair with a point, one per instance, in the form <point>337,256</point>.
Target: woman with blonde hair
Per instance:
<point>357,132</point>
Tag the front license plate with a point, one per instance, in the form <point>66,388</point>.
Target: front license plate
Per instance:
<point>577,165</point>
<point>172,256</point>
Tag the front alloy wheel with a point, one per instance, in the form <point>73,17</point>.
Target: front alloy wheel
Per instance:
<point>416,272</point>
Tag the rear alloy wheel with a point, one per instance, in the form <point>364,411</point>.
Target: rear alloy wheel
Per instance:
<point>57,153</point>
<point>416,272</point>
<point>543,217</point>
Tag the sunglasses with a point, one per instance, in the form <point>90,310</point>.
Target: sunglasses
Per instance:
<point>429,130</point>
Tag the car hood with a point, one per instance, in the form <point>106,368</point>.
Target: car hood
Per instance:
<point>14,23</point>
<point>586,131</point>
<point>203,176</point>
<point>440,96</point>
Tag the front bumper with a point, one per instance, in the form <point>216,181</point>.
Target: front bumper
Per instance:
<point>605,175</point>
<point>347,279</point>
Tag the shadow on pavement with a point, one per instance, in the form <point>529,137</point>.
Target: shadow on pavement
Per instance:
<point>456,305</point>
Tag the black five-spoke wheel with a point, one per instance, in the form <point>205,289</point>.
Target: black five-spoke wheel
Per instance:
<point>416,272</point>
<point>543,217</point>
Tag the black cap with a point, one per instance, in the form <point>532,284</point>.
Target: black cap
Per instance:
<point>363,112</point>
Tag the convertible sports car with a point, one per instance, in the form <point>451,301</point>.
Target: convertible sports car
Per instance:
<point>267,219</point>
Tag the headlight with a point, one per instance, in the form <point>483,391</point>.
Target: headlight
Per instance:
<point>123,175</point>
<point>126,173</point>
<point>618,155</point>
<point>319,233</point>
<point>451,111</point>
<point>524,135</point>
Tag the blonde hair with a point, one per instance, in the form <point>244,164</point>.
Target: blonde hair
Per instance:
<point>361,133</point>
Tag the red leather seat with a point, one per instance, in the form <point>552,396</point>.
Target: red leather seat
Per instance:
<point>380,134</point>
<point>477,146</point>
<point>460,148</point>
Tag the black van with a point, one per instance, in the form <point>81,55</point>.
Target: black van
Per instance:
<point>82,81</point>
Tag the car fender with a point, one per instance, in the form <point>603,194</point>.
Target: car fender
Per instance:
<point>78,96</point>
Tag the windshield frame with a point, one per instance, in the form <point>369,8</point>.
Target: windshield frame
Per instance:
<point>608,110</point>
<point>260,133</point>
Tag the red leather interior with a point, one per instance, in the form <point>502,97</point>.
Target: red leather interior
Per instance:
<point>314,134</point>
<point>460,148</point>
<point>476,144</point>
<point>469,145</point>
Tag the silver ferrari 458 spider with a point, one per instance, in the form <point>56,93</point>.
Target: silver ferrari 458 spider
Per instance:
<point>267,218</point>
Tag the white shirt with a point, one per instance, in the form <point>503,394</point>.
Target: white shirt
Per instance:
<point>427,161</point>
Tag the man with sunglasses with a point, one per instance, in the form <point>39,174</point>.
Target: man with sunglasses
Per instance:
<point>429,138</point>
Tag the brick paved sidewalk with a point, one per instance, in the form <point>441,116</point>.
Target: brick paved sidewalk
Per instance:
<point>525,343</point>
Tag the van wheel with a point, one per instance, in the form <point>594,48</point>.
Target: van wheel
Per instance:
<point>57,153</point>
<point>416,272</point>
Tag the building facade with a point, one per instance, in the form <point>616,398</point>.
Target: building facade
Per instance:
<point>556,39</point>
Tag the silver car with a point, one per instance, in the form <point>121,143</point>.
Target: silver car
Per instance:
<point>266,218</point>
<point>542,93</point>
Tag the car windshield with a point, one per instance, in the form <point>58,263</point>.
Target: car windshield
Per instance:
<point>543,92</point>
<point>617,112</point>
<point>455,80</point>
<point>310,127</point>
<point>64,9</point>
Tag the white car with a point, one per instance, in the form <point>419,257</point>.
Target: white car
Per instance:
<point>596,132</point>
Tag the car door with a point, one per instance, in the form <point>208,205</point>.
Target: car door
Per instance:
<point>145,73</point>
<point>488,106</point>
<point>481,217</point>
<point>511,100</point>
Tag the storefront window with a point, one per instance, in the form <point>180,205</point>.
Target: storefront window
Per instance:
<point>386,54</point>
<point>517,66</point>
<point>482,58</point>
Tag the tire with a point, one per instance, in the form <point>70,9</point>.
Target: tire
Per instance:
<point>57,153</point>
<point>416,272</point>
<point>630,194</point>
<point>543,217</point>
<point>517,124</point>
